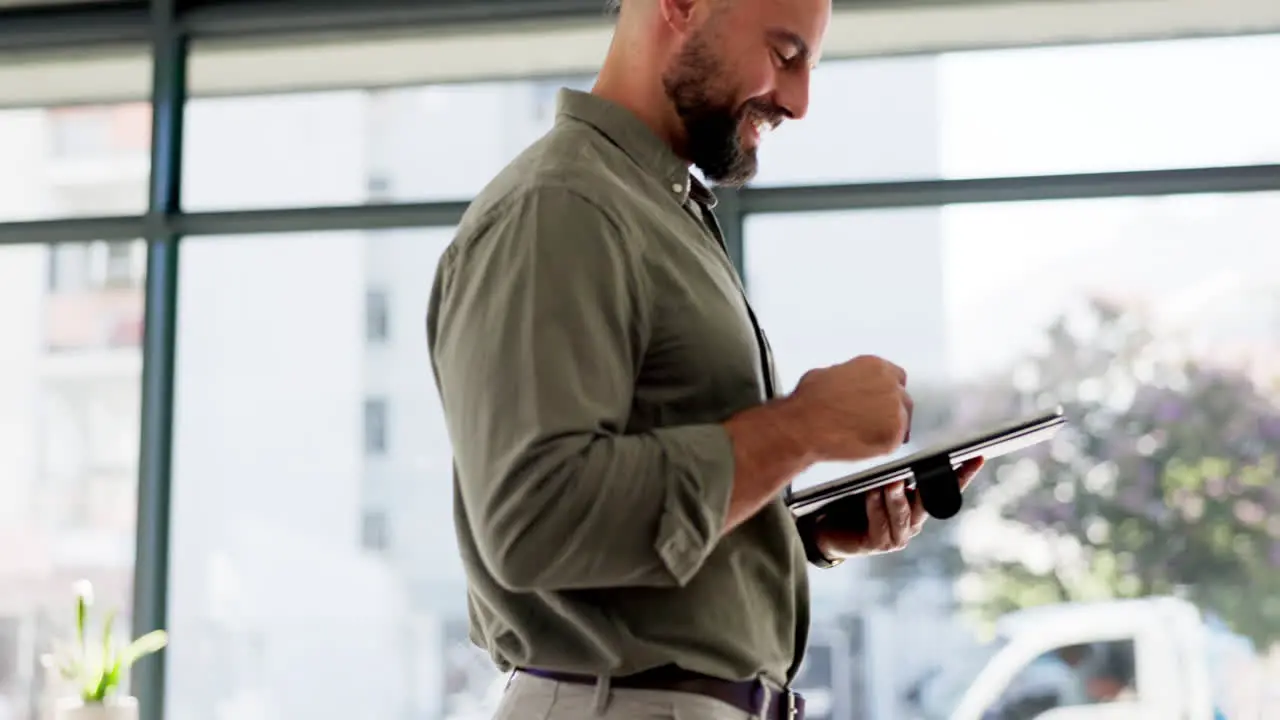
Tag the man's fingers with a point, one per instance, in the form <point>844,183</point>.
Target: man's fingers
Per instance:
<point>898,510</point>
<point>918,513</point>
<point>895,515</point>
<point>879,524</point>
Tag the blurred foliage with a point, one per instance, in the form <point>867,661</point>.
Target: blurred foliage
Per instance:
<point>1164,481</point>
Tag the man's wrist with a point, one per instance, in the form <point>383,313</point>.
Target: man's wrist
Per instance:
<point>792,422</point>
<point>769,451</point>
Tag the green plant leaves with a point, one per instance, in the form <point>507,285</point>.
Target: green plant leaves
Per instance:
<point>98,671</point>
<point>152,642</point>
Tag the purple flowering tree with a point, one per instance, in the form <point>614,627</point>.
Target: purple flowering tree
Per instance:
<point>1164,482</point>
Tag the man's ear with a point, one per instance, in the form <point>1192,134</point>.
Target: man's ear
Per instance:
<point>681,15</point>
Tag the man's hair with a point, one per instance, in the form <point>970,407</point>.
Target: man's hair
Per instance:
<point>1073,654</point>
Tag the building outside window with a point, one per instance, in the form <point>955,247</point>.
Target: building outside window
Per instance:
<point>375,426</point>
<point>374,531</point>
<point>377,316</point>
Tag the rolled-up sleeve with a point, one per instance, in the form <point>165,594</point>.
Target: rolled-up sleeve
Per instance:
<point>538,323</point>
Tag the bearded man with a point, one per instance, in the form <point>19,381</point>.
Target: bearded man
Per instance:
<point>621,450</point>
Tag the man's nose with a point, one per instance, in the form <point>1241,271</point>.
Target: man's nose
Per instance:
<point>793,94</point>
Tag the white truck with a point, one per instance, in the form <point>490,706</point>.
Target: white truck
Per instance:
<point>1059,662</point>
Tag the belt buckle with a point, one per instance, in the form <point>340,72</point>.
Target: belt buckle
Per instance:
<point>792,711</point>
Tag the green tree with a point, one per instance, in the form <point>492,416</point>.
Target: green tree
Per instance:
<point>1164,481</point>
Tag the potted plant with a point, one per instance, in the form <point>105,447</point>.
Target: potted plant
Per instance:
<point>97,667</point>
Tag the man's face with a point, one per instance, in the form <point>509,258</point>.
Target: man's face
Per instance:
<point>741,71</point>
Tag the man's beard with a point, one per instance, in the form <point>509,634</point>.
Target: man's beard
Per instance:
<point>711,122</point>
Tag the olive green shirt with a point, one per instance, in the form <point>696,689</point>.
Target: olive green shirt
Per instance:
<point>589,335</point>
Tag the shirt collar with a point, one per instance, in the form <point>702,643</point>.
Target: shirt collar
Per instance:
<point>637,140</point>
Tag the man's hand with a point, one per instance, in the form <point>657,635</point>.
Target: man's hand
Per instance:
<point>894,515</point>
<point>855,410</point>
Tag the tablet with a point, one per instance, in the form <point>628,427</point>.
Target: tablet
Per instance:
<point>933,466</point>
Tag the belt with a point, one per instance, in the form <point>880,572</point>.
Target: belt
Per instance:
<point>746,696</point>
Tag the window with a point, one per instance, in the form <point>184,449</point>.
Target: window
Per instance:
<point>475,129</point>
<point>272,477</point>
<point>374,533</point>
<point>83,132</point>
<point>94,299</point>
<point>52,157</point>
<point>1152,320</point>
<point>114,195</point>
<point>1072,109</point>
<point>100,131</point>
<point>377,316</point>
<point>113,445</point>
<point>375,426</point>
<point>379,189</point>
<point>80,267</point>
<point>68,267</point>
<point>124,263</point>
<point>1072,676</point>
<point>61,514</point>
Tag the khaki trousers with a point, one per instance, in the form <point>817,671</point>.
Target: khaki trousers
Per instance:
<point>533,698</point>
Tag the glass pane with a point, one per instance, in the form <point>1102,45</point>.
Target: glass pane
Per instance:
<point>1087,108</point>
<point>70,366</point>
<point>74,161</point>
<point>1155,321</point>
<point>439,142</point>
<point>1070,676</point>
<point>313,541</point>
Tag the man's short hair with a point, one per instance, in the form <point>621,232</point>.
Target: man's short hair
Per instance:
<point>1073,654</point>
<point>612,6</point>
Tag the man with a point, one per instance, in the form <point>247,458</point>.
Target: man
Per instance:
<point>1056,679</point>
<point>620,451</point>
<point>1114,674</point>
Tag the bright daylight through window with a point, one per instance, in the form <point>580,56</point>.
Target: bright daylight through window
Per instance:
<point>1041,111</point>
<point>71,319</point>
<point>312,542</point>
